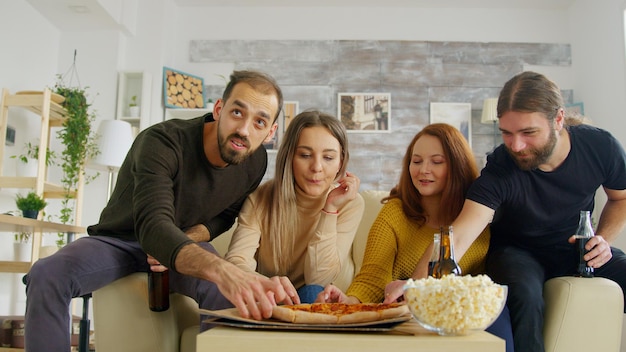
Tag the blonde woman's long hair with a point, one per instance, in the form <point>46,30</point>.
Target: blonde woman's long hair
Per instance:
<point>277,197</point>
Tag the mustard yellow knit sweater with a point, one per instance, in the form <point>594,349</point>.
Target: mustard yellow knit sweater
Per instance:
<point>395,245</point>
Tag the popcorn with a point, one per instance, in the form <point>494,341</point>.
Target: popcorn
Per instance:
<point>455,305</point>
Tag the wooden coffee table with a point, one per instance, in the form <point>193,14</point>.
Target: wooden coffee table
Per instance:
<point>409,336</point>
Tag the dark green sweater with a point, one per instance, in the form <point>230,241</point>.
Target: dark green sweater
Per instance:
<point>166,185</point>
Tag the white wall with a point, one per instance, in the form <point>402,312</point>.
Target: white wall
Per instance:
<point>34,51</point>
<point>598,63</point>
<point>23,66</point>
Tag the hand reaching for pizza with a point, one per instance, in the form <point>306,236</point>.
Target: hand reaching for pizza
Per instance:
<point>394,291</point>
<point>292,294</point>
<point>332,294</point>
<point>253,295</point>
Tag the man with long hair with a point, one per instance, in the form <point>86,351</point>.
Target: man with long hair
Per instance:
<point>532,191</point>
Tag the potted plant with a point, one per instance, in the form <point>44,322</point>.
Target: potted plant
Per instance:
<point>30,205</point>
<point>132,107</point>
<point>27,162</point>
<point>78,138</point>
<point>22,249</point>
<point>22,237</point>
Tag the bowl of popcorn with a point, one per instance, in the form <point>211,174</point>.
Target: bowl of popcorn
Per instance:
<point>455,305</point>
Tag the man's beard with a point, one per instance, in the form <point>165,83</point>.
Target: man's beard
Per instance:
<point>539,155</point>
<point>229,155</point>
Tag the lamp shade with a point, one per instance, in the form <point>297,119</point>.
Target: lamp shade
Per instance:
<point>114,139</point>
<point>490,111</point>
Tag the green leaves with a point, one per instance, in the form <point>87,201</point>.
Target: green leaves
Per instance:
<point>79,141</point>
<point>31,201</point>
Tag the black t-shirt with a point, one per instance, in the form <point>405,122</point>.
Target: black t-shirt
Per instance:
<point>536,209</point>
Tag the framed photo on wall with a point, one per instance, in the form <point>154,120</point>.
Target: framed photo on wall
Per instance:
<point>575,109</point>
<point>290,110</point>
<point>458,115</point>
<point>365,112</point>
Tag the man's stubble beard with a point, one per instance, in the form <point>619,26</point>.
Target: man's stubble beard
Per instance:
<point>230,156</point>
<point>540,155</point>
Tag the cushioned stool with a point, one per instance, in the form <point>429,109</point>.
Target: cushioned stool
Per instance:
<point>126,300</point>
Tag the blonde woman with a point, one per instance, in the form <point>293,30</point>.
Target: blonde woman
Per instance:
<point>301,224</point>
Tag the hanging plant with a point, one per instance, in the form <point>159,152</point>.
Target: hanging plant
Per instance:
<point>79,141</point>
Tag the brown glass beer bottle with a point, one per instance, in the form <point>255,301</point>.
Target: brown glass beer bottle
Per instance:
<point>433,263</point>
<point>447,263</point>
<point>159,290</point>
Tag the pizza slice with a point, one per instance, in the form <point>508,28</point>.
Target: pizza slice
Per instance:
<point>338,313</point>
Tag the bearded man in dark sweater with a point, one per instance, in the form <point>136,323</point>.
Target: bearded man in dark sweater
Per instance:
<point>182,184</point>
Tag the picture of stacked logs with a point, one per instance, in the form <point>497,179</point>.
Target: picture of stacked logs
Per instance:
<point>183,90</point>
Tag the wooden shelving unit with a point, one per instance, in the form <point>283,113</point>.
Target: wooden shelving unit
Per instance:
<point>48,106</point>
<point>52,114</point>
<point>10,223</point>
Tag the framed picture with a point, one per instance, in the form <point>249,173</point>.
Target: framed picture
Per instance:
<point>182,90</point>
<point>458,115</point>
<point>365,112</point>
<point>290,110</point>
<point>575,109</point>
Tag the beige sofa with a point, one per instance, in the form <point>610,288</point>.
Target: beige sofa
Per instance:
<point>581,314</point>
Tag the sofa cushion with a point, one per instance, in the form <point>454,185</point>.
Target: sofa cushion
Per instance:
<point>372,208</point>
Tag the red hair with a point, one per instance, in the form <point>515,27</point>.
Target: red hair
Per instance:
<point>462,172</point>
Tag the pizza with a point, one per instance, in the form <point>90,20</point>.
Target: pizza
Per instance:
<point>339,313</point>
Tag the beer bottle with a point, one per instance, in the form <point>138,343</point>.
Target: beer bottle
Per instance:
<point>447,263</point>
<point>159,290</point>
<point>433,263</point>
<point>583,233</point>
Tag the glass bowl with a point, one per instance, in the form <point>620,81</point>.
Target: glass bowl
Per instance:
<point>455,305</point>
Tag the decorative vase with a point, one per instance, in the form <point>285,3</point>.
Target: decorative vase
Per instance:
<point>32,214</point>
<point>134,111</point>
<point>28,169</point>
<point>22,251</point>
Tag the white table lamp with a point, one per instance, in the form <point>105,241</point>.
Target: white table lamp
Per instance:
<point>490,115</point>
<point>114,140</point>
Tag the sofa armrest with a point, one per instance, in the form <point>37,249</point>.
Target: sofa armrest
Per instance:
<point>582,314</point>
<point>124,322</point>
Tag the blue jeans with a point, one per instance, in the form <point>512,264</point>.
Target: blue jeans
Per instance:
<point>82,267</point>
<point>502,328</point>
<point>308,293</point>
